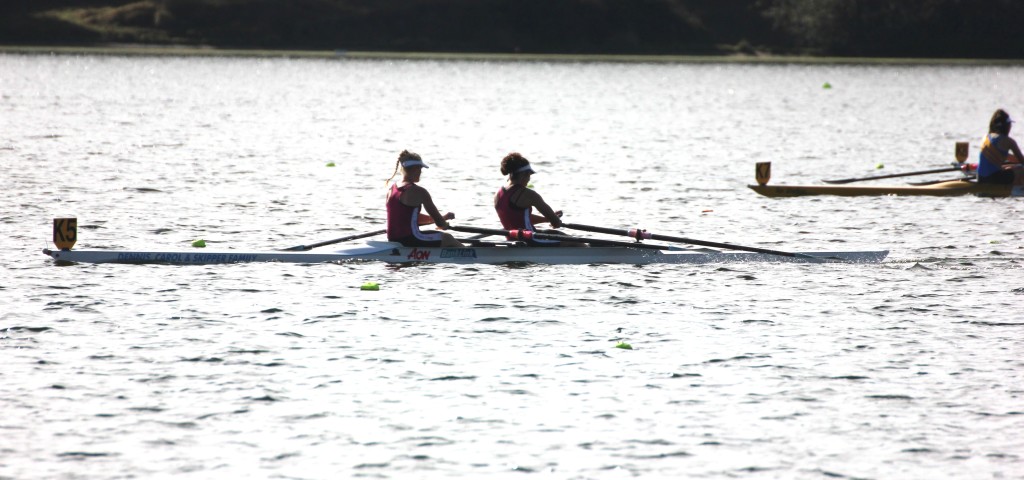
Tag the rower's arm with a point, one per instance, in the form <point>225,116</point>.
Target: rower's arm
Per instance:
<point>549,214</point>
<point>1016,150</point>
<point>418,196</point>
<point>535,219</point>
<point>435,215</point>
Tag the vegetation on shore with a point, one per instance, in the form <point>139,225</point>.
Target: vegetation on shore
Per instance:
<point>851,28</point>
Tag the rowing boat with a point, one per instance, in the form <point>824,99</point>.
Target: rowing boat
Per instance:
<point>65,234</point>
<point>487,254</point>
<point>950,188</point>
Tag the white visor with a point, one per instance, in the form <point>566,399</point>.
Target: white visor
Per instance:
<point>525,169</point>
<point>412,162</point>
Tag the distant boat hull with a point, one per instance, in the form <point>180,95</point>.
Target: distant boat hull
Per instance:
<point>951,188</point>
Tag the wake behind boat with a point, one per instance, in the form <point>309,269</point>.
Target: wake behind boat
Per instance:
<point>392,252</point>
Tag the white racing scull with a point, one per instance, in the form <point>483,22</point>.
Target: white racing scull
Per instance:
<point>65,234</point>
<point>489,254</point>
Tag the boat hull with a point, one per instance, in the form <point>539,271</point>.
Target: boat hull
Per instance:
<point>951,188</point>
<point>395,253</point>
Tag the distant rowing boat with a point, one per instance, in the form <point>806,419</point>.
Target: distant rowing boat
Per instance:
<point>492,254</point>
<point>950,188</point>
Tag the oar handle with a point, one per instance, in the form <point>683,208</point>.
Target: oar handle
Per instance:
<point>302,248</point>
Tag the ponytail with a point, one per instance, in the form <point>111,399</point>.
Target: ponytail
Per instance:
<point>405,154</point>
<point>388,181</point>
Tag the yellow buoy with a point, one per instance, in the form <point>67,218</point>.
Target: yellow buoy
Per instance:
<point>370,286</point>
<point>199,243</point>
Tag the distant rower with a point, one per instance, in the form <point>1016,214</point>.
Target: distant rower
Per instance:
<point>995,165</point>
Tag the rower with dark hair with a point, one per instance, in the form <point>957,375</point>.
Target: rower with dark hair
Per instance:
<point>995,165</point>
<point>515,202</point>
<point>403,207</point>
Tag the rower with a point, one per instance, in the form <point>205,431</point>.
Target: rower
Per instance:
<point>995,164</point>
<point>404,202</point>
<point>515,201</point>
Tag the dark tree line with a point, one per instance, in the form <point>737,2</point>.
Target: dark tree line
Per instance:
<point>925,28</point>
<point>885,28</point>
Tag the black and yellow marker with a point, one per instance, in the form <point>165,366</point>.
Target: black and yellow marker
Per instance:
<point>65,232</point>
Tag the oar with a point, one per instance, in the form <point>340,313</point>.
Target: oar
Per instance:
<point>894,175</point>
<point>933,182</point>
<point>336,240</point>
<point>642,234</point>
<point>526,234</point>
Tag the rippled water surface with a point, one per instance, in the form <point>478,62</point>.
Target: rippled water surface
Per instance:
<point>908,369</point>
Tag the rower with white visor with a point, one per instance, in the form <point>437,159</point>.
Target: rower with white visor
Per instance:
<point>405,202</point>
<point>515,202</point>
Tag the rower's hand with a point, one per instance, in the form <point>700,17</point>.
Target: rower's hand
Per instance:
<point>449,216</point>
<point>558,213</point>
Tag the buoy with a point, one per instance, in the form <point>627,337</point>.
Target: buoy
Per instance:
<point>624,346</point>
<point>370,286</point>
<point>879,166</point>
<point>826,86</point>
<point>330,164</point>
<point>199,243</point>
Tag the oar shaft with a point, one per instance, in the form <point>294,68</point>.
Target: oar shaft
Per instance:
<point>526,234</point>
<point>336,240</point>
<point>641,234</point>
<point>933,182</point>
<point>894,175</point>
<point>667,238</point>
<point>591,228</point>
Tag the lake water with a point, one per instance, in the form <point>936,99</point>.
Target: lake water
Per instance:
<point>909,369</point>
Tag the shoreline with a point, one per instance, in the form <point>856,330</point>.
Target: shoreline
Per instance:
<point>191,51</point>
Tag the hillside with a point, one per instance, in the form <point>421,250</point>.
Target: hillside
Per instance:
<point>923,28</point>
